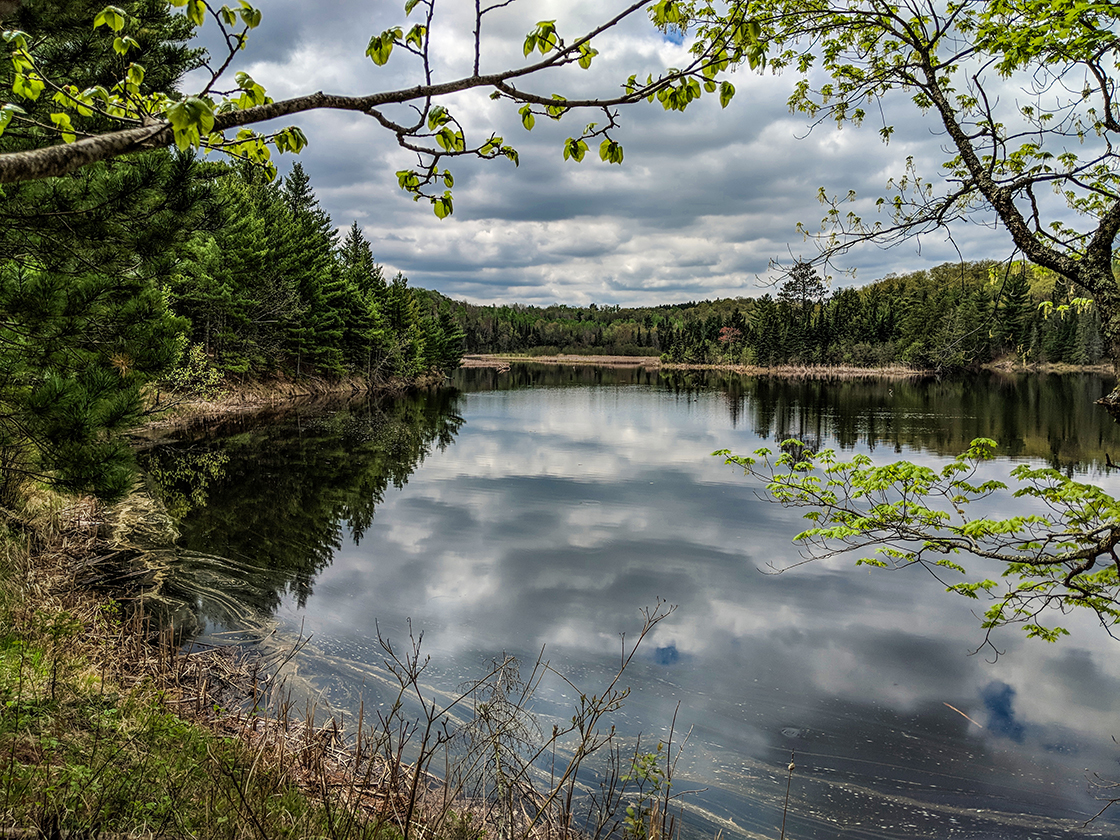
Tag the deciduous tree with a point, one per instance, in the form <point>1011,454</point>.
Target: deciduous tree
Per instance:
<point>1058,555</point>
<point>108,121</point>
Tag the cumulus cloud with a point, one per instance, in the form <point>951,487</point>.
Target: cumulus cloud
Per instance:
<point>702,203</point>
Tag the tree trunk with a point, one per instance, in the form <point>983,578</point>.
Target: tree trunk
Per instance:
<point>1106,297</point>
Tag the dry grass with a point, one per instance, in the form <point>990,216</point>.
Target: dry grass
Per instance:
<point>503,361</point>
<point>108,727</point>
<point>833,372</point>
<point>264,398</point>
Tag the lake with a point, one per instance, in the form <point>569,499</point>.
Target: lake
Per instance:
<point>547,506</point>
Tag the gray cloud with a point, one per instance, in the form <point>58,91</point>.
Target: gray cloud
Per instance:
<point>702,203</point>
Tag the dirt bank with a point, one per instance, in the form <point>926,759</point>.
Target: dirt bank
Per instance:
<point>1005,366</point>
<point>270,397</point>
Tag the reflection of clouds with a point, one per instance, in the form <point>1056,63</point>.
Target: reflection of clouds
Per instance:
<point>540,526</point>
<point>463,578</point>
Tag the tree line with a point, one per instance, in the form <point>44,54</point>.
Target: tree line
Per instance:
<point>275,289</point>
<point>951,317</point>
<point>160,267</point>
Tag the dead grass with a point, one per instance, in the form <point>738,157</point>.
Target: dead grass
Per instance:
<point>502,361</point>
<point>266,398</point>
<point>109,728</point>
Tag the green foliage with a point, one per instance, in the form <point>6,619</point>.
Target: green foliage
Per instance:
<point>108,276</point>
<point>948,318</point>
<point>87,756</point>
<point>849,60</point>
<point>128,103</point>
<point>271,290</point>
<point>652,784</point>
<point>1059,558</point>
<point>194,376</point>
<point>84,320</point>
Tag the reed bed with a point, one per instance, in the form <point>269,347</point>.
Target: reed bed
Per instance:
<point>111,727</point>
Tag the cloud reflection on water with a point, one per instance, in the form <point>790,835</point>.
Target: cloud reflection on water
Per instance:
<point>558,514</point>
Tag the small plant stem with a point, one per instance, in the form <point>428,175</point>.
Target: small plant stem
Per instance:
<point>785,808</point>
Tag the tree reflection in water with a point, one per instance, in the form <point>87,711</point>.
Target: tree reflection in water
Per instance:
<point>274,501</point>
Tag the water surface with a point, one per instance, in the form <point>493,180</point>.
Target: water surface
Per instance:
<point>547,506</point>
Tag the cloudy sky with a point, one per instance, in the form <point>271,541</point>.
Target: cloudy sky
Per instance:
<point>704,200</point>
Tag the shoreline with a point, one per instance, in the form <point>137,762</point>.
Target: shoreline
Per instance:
<point>132,699</point>
<point>502,361</point>
<point>234,401</point>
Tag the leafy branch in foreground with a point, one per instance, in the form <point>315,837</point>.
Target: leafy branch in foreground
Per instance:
<point>1060,557</point>
<point>103,122</point>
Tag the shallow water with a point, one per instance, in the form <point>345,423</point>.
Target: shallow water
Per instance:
<point>547,506</point>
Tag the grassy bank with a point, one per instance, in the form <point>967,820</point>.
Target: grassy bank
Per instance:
<point>232,398</point>
<point>108,730</point>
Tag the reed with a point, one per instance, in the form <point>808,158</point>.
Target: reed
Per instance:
<point>108,727</point>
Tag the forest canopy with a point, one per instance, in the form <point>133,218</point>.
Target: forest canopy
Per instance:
<point>160,269</point>
<point>950,317</point>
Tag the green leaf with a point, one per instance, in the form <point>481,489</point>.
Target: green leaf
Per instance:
<point>543,38</point>
<point>442,205</point>
<point>62,123</point>
<point>665,13</point>
<point>190,119</point>
<point>586,54</point>
<point>291,139</point>
<point>574,148</point>
<point>726,91</point>
<point>416,35</point>
<point>610,151</point>
<point>135,74</point>
<point>559,109</point>
<point>18,36</point>
<point>121,45</point>
<point>6,114</point>
<point>381,46</point>
<point>28,85</point>
<point>527,118</point>
<point>438,116</point>
<point>451,140</point>
<point>111,16</point>
<point>410,5</point>
<point>250,15</point>
<point>196,12</point>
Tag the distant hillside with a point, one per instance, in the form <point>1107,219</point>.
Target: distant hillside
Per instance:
<point>953,316</point>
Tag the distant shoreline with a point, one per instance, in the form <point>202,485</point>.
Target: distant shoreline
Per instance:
<point>499,361</point>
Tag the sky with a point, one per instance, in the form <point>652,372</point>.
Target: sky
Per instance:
<point>701,205</point>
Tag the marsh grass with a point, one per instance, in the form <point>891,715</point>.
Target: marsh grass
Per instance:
<point>108,728</point>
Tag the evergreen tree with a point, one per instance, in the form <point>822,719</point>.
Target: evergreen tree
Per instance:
<point>1014,313</point>
<point>402,316</point>
<point>309,239</point>
<point>84,261</point>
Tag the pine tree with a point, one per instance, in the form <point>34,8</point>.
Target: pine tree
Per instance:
<point>84,259</point>
<point>309,244</point>
<point>1014,313</point>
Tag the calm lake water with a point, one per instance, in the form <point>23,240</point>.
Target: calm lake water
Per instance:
<point>547,506</point>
